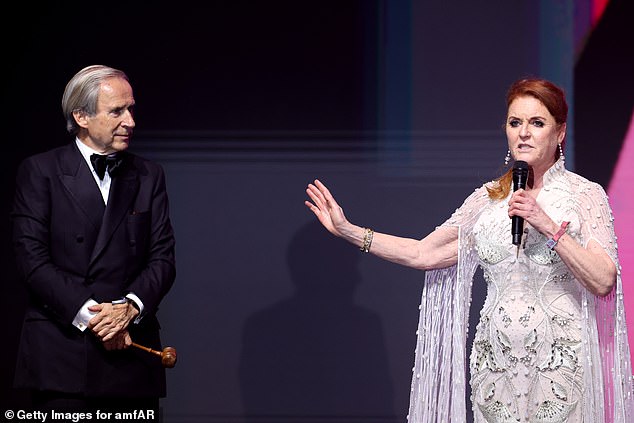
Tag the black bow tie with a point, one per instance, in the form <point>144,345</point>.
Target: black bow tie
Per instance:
<point>101,163</point>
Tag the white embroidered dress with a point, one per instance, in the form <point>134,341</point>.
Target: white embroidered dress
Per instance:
<point>545,349</point>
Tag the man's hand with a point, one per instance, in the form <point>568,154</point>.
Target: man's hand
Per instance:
<point>111,320</point>
<point>120,341</point>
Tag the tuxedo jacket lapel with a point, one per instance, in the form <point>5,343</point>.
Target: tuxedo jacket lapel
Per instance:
<point>77,178</point>
<point>123,190</point>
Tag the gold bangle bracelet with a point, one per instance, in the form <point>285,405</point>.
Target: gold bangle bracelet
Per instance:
<point>367,240</point>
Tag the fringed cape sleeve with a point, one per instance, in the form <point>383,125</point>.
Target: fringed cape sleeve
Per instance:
<point>607,365</point>
<point>440,366</point>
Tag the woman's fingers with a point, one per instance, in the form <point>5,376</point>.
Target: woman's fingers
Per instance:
<point>321,196</point>
<point>318,203</point>
<point>328,198</point>
<point>520,203</point>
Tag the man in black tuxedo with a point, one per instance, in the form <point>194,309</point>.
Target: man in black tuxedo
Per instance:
<point>95,246</point>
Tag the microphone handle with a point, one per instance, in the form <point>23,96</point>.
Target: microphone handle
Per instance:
<point>517,227</point>
<point>517,223</point>
<point>520,175</point>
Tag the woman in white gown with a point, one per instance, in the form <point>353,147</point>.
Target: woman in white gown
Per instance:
<point>551,343</point>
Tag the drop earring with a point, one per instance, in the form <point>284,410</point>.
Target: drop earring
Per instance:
<point>507,159</point>
<point>561,153</point>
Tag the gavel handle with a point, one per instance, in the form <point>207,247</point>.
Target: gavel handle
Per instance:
<point>144,348</point>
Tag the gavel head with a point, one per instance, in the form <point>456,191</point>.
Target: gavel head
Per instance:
<point>168,357</point>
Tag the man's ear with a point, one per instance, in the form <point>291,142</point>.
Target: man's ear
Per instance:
<point>81,118</point>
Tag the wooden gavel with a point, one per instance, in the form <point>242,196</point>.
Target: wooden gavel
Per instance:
<point>168,355</point>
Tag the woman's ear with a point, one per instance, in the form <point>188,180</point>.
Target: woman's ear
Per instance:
<point>562,133</point>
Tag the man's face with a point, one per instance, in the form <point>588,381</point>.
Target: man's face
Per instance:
<point>110,129</point>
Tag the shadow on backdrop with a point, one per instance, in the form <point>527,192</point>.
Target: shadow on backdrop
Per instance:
<point>316,353</point>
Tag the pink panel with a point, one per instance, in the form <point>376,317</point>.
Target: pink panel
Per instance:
<point>621,193</point>
<point>598,6</point>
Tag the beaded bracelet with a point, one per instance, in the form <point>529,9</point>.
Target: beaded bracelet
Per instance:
<point>367,240</point>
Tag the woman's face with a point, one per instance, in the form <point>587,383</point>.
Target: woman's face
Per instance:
<point>532,133</point>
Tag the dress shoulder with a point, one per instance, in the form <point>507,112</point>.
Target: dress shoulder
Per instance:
<point>470,208</point>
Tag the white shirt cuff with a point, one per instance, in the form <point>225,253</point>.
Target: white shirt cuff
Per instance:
<point>84,315</point>
<point>138,302</point>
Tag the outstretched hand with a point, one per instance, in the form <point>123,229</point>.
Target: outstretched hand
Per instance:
<point>324,206</point>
